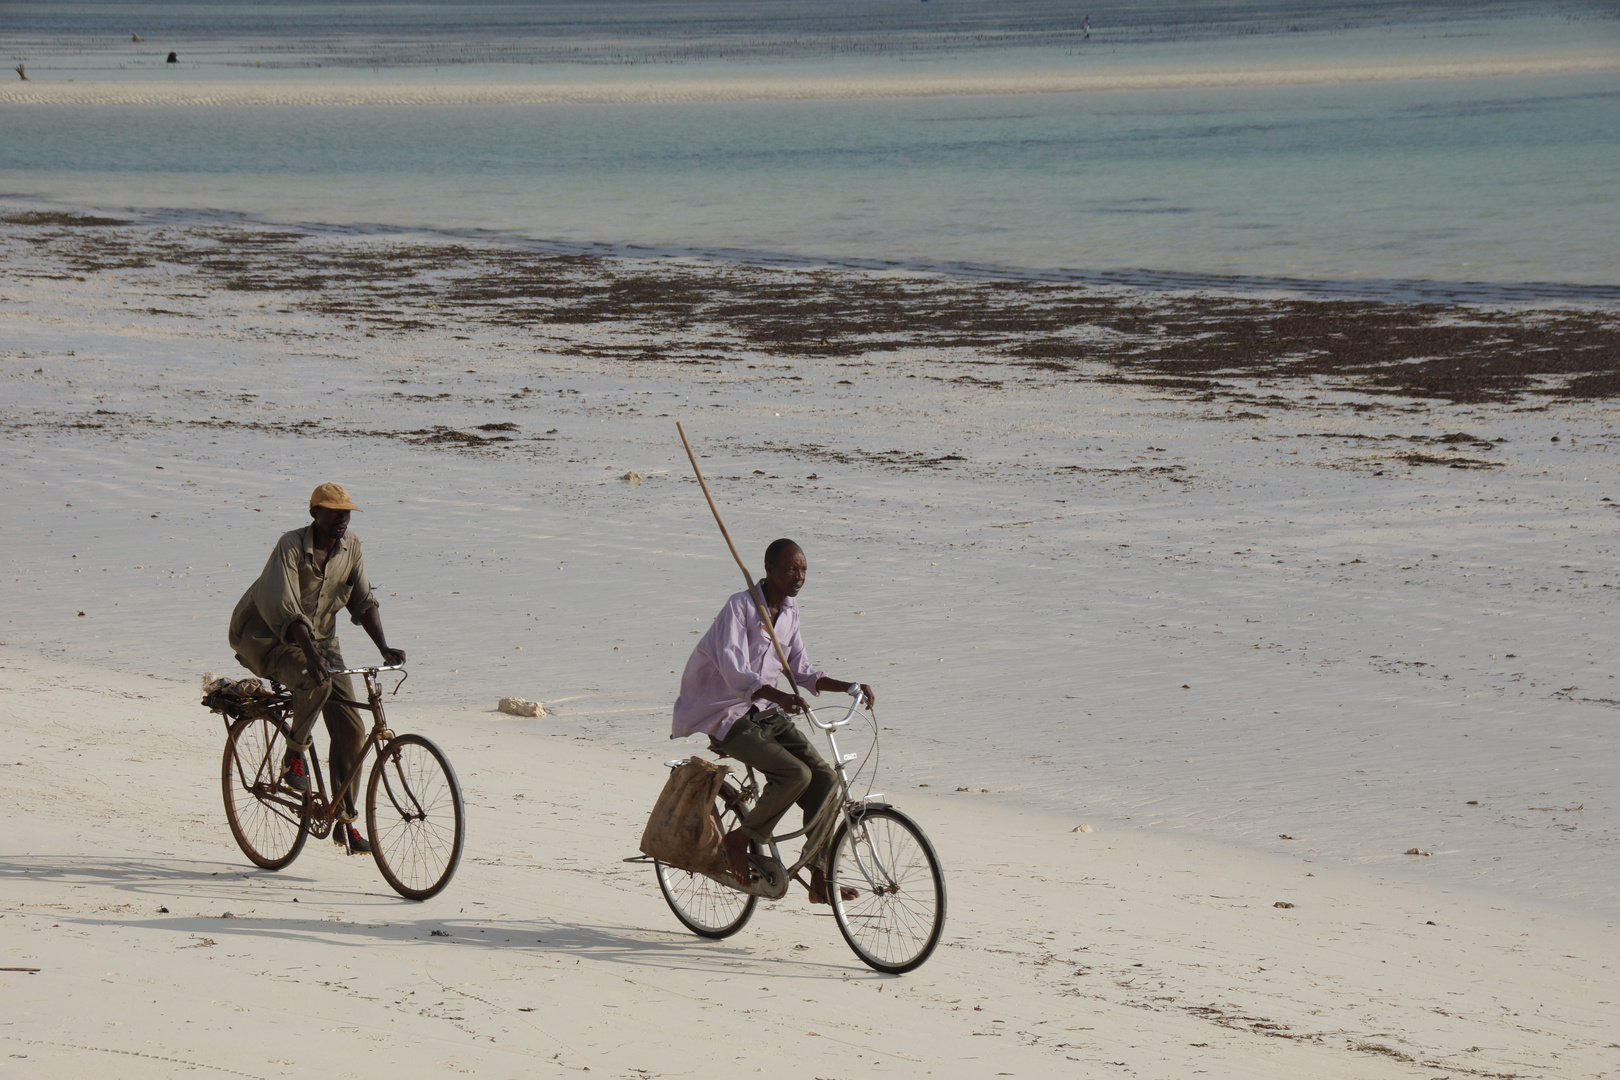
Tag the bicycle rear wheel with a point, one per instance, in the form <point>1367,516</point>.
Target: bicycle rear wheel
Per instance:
<point>414,815</point>
<point>270,821</point>
<point>703,905</point>
<point>895,922</point>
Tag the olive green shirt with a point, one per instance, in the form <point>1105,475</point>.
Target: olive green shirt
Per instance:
<point>290,591</point>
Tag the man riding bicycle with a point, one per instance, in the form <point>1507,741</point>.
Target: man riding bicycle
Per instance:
<point>285,629</point>
<point>729,693</point>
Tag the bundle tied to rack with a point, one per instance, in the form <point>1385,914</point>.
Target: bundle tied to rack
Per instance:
<point>684,828</point>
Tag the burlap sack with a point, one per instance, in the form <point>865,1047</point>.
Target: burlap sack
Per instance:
<point>684,829</point>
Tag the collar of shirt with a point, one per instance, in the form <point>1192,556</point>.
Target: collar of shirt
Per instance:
<point>306,543</point>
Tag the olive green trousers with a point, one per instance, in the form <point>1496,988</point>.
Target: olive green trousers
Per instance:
<point>794,773</point>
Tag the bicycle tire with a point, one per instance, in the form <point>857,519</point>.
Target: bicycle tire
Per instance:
<point>894,928</point>
<point>270,822</point>
<point>418,830</point>
<point>703,905</point>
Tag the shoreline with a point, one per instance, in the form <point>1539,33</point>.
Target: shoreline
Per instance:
<point>1185,285</point>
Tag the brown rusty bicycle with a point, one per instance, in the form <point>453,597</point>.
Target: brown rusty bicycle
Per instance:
<point>414,809</point>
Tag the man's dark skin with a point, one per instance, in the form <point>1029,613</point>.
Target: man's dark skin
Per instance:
<point>784,578</point>
<point>330,527</point>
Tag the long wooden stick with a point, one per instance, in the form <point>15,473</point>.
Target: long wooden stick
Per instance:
<point>755,590</point>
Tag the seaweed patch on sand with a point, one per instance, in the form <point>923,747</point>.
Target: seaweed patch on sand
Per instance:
<point>981,332</point>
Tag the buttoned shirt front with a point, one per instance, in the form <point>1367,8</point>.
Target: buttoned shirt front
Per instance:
<point>732,662</point>
<point>290,590</point>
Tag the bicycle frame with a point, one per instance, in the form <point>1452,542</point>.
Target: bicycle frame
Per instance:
<point>848,805</point>
<point>323,809</point>
<point>379,735</point>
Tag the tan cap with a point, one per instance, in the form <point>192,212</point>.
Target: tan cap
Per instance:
<point>331,496</point>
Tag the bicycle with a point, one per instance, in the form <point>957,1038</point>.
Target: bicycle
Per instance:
<point>895,920</point>
<point>416,826</point>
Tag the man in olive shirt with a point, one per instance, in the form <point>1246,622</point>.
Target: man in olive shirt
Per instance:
<point>285,628</point>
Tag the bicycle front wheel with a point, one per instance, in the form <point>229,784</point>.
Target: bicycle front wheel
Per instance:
<point>895,920</point>
<point>270,821</point>
<point>415,816</point>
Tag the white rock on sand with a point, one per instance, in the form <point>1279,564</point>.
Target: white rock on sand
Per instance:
<point>517,706</point>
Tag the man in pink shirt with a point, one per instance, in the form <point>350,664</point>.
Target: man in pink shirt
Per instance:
<point>729,693</point>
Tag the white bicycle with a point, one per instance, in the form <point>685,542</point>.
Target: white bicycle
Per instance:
<point>878,854</point>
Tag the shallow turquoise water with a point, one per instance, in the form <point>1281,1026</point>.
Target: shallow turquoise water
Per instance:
<point>1499,180</point>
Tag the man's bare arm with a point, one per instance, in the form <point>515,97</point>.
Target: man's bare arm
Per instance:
<point>317,663</point>
<point>793,703</point>
<point>371,623</point>
<point>838,686</point>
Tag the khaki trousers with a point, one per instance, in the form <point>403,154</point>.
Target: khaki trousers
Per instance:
<point>794,773</point>
<point>348,732</point>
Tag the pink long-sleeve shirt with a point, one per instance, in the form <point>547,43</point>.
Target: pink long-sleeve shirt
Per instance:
<point>730,664</point>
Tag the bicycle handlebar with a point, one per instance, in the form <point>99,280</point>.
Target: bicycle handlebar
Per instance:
<point>364,670</point>
<point>859,699</point>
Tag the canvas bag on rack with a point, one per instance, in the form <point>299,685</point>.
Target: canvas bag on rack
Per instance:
<point>684,828</point>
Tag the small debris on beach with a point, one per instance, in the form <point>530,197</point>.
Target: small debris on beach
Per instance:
<point>1082,828</point>
<point>516,706</point>
<point>631,477</point>
<point>1282,904</point>
<point>1417,851</point>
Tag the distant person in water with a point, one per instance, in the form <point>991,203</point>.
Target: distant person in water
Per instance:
<point>173,59</point>
<point>729,694</point>
<point>1085,28</point>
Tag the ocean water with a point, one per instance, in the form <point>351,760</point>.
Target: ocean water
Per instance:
<point>1467,147</point>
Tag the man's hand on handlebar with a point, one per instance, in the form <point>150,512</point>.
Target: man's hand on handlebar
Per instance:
<point>842,687</point>
<point>394,657</point>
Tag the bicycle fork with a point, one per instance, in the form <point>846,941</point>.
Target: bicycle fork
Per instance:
<point>856,826</point>
<point>856,843</point>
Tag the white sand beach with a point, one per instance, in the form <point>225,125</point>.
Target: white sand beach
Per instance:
<point>1121,952</point>
<point>1264,636</point>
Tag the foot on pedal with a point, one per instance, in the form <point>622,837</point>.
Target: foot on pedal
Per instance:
<point>348,837</point>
